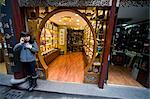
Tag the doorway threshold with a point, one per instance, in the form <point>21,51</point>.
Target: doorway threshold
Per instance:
<point>110,91</point>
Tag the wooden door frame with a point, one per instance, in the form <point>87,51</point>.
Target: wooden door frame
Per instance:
<point>49,15</point>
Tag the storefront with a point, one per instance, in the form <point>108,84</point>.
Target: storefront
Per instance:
<point>63,28</point>
<point>78,28</point>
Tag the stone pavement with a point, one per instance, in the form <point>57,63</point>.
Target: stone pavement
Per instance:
<point>10,93</point>
<point>75,90</point>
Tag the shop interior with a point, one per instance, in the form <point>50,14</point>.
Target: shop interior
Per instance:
<point>130,55</point>
<point>67,45</point>
<point>130,48</point>
<point>64,32</point>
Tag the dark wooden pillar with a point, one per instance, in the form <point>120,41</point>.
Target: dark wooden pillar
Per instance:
<point>18,27</point>
<point>17,20</point>
<point>108,39</point>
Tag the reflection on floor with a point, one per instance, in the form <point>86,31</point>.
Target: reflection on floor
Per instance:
<point>120,75</point>
<point>3,68</point>
<point>67,68</point>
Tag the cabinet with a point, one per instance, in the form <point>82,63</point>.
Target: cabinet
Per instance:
<point>143,74</point>
<point>51,56</point>
<point>75,40</point>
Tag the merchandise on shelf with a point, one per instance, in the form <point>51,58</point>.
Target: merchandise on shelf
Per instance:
<point>75,40</point>
<point>49,38</point>
<point>98,19</point>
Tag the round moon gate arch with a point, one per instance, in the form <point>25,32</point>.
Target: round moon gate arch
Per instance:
<point>42,24</point>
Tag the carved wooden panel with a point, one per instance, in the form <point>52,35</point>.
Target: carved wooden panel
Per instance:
<point>66,3</point>
<point>136,3</point>
<point>85,3</point>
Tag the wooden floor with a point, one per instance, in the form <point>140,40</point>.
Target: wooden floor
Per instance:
<point>70,68</point>
<point>121,76</point>
<point>67,68</point>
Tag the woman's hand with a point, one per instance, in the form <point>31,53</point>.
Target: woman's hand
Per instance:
<point>27,45</point>
<point>21,40</point>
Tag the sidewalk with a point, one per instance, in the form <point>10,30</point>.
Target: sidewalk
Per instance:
<point>83,90</point>
<point>9,93</point>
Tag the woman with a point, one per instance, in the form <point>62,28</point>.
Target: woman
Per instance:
<point>28,58</point>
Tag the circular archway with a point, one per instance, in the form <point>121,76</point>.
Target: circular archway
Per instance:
<point>49,15</point>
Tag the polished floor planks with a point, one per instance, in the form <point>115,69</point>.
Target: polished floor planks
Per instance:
<point>121,76</point>
<point>70,68</point>
<point>67,68</point>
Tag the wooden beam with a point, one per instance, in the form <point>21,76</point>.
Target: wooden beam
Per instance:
<point>107,45</point>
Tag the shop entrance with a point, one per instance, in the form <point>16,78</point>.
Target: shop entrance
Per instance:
<point>65,35</point>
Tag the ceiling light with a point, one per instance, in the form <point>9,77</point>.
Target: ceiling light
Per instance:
<point>78,20</point>
<point>59,20</point>
<point>124,24</point>
<point>76,15</point>
<point>66,18</point>
<point>77,23</point>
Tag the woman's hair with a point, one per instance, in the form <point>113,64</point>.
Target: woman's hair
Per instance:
<point>24,34</point>
<point>31,41</point>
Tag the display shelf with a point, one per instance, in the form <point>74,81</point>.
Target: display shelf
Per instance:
<point>98,19</point>
<point>49,37</point>
<point>131,37</point>
<point>88,42</point>
<point>74,40</point>
<point>88,48</point>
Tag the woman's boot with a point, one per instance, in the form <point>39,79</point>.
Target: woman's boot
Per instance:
<point>30,83</point>
<point>34,83</point>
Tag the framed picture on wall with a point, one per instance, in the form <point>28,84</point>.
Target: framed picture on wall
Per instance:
<point>61,36</point>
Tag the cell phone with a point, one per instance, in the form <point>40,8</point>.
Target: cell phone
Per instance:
<point>25,41</point>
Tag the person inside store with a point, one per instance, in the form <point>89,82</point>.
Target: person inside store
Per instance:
<point>27,57</point>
